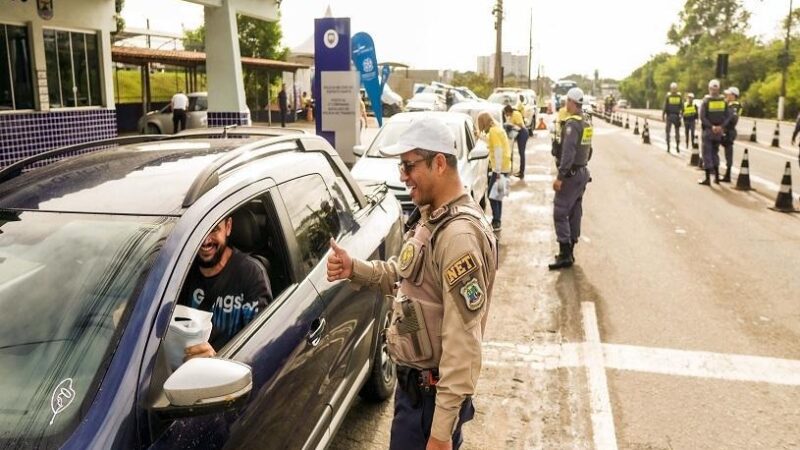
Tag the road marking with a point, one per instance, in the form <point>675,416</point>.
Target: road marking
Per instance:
<point>602,417</point>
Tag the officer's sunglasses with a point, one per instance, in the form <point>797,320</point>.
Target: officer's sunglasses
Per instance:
<point>406,167</point>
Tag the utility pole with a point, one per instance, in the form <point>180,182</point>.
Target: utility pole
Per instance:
<point>530,49</point>
<point>498,49</point>
<point>785,61</point>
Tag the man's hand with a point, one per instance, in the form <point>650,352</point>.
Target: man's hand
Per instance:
<point>557,185</point>
<point>204,350</point>
<point>435,444</point>
<point>716,129</point>
<point>340,265</point>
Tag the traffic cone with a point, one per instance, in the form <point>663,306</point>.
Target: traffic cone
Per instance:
<point>627,122</point>
<point>694,161</point>
<point>743,182</point>
<point>636,127</point>
<point>753,134</point>
<point>541,125</point>
<point>646,133</point>
<point>785,202</point>
<point>776,136</point>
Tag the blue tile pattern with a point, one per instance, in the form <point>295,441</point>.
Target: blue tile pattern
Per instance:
<point>221,119</point>
<point>27,134</point>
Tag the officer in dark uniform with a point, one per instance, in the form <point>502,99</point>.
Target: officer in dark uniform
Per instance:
<point>570,183</point>
<point>714,115</point>
<point>732,97</point>
<point>441,284</point>
<point>671,114</point>
<point>689,118</point>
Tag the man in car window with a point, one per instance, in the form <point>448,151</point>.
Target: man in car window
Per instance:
<point>227,282</point>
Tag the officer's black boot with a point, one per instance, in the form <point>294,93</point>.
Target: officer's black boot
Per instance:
<point>707,180</point>
<point>727,177</point>
<point>564,258</point>
<point>677,144</point>
<point>716,175</point>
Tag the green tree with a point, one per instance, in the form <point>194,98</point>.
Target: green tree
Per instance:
<point>118,4</point>
<point>715,18</point>
<point>479,84</point>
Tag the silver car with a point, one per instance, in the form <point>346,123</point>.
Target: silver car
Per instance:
<point>160,122</point>
<point>473,162</point>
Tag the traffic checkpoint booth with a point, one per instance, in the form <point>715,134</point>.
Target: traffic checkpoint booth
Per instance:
<point>56,85</point>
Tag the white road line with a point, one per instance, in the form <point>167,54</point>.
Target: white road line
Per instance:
<point>602,417</point>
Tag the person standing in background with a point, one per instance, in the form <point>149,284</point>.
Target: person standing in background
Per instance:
<point>283,104</point>
<point>179,103</point>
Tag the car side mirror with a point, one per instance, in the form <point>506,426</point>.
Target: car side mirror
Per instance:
<point>359,150</point>
<point>481,151</point>
<point>205,386</point>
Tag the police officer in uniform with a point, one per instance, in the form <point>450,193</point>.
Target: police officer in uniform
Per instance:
<point>714,115</point>
<point>671,114</point>
<point>689,118</point>
<point>441,285</point>
<point>732,97</point>
<point>570,183</point>
<point>561,119</point>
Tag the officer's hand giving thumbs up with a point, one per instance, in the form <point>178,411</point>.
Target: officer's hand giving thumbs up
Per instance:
<point>340,265</point>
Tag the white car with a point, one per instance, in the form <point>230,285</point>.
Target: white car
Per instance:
<point>505,96</point>
<point>473,162</point>
<point>473,108</point>
<point>426,101</point>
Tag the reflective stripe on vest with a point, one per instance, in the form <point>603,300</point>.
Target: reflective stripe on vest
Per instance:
<point>689,109</point>
<point>585,144</point>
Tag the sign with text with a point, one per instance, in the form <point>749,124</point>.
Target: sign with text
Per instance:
<point>331,54</point>
<point>339,110</point>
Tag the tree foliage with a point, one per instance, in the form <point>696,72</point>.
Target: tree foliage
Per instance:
<point>476,82</point>
<point>704,29</point>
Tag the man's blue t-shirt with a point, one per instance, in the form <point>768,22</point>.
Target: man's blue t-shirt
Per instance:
<point>234,296</point>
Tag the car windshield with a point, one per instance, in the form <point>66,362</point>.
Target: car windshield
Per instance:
<point>391,132</point>
<point>67,283</point>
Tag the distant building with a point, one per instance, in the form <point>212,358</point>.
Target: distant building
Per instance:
<point>513,65</point>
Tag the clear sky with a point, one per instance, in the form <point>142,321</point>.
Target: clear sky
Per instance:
<point>612,36</point>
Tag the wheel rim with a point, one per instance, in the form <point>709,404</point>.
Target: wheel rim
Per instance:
<point>387,366</point>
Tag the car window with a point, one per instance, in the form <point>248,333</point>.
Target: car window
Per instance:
<point>67,285</point>
<point>313,216</point>
<point>469,138</point>
<point>200,104</point>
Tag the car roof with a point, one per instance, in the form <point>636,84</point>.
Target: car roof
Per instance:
<point>160,176</point>
<point>445,116</point>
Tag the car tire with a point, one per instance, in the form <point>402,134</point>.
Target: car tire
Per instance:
<point>383,376</point>
<point>151,129</point>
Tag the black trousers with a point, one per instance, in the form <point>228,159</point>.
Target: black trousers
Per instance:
<point>178,118</point>
<point>413,417</point>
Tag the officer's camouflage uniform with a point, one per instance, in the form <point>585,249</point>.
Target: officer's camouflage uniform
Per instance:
<point>672,115</point>
<point>441,284</point>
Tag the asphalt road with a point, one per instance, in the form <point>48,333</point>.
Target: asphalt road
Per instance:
<point>678,328</point>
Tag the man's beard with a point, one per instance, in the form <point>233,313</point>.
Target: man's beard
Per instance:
<point>214,259</point>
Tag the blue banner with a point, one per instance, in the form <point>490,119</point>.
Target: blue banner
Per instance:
<point>367,65</point>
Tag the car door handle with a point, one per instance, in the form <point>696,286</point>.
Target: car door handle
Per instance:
<point>315,335</point>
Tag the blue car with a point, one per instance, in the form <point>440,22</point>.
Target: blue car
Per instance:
<point>95,248</point>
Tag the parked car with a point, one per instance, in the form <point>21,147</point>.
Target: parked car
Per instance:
<point>426,101</point>
<point>473,108</point>
<point>622,104</point>
<point>515,97</point>
<point>472,162</point>
<point>95,249</point>
<point>392,102</point>
<point>160,121</point>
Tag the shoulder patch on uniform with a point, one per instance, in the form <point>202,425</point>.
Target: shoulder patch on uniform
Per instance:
<point>406,255</point>
<point>462,267</point>
<point>473,294</point>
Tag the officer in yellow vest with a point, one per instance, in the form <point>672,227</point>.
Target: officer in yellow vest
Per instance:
<point>570,183</point>
<point>671,114</point>
<point>689,118</point>
<point>732,97</point>
<point>714,115</point>
<point>441,283</point>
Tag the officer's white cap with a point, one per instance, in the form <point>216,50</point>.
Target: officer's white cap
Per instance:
<point>713,83</point>
<point>427,133</point>
<point>576,95</point>
<point>732,90</point>
<point>690,94</point>
<point>673,85</point>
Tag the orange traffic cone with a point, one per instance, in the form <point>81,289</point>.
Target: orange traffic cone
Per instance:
<point>541,125</point>
<point>743,182</point>
<point>785,201</point>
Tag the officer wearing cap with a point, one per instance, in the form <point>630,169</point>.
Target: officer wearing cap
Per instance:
<point>689,118</point>
<point>671,114</point>
<point>441,284</point>
<point>732,97</point>
<point>714,115</point>
<point>570,183</point>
